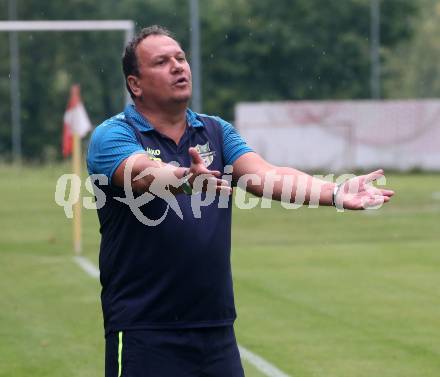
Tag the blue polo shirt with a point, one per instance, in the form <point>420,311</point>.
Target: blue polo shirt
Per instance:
<point>176,274</point>
<point>113,141</point>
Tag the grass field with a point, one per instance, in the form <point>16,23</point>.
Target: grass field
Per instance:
<point>319,294</point>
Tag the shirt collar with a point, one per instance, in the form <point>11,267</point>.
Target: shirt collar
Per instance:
<point>144,125</point>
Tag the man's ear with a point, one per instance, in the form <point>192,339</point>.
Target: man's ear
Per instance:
<point>133,83</point>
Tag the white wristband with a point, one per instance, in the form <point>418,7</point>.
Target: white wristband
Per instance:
<point>335,192</point>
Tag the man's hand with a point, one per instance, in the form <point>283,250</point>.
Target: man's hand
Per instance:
<point>203,179</point>
<point>359,193</point>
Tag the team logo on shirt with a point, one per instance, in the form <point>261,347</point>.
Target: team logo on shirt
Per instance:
<point>153,154</point>
<point>206,153</point>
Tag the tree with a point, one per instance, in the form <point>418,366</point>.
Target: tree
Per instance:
<point>251,51</point>
<point>413,70</point>
<point>309,49</point>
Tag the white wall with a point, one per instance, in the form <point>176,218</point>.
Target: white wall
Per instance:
<point>344,135</point>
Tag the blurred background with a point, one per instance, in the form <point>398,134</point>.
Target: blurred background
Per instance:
<point>353,85</point>
<point>250,51</point>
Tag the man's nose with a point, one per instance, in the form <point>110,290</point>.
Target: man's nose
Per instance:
<point>177,66</point>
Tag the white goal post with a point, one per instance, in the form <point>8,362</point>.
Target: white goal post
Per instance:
<point>63,25</point>
<point>126,26</point>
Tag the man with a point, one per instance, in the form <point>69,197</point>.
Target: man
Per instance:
<point>167,293</point>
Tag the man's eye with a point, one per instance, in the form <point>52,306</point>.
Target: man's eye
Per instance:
<point>181,59</point>
<point>160,62</point>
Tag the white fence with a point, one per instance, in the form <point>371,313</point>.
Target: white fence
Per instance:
<point>344,135</point>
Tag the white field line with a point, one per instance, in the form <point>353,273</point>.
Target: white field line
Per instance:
<point>87,266</point>
<point>258,362</point>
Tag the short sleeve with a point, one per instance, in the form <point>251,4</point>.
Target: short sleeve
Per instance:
<point>234,145</point>
<point>111,143</point>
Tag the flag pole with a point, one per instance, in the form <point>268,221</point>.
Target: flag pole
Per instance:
<point>76,126</point>
<point>76,164</point>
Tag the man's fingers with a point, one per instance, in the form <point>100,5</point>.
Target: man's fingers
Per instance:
<point>222,182</point>
<point>196,159</point>
<point>208,182</point>
<point>387,193</point>
<point>216,182</point>
<point>373,176</point>
<point>214,173</point>
<point>195,156</point>
<point>226,190</point>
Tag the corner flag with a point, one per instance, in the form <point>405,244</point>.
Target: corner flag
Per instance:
<point>76,125</point>
<point>76,120</point>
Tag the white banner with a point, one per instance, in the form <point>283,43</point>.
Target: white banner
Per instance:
<point>344,135</point>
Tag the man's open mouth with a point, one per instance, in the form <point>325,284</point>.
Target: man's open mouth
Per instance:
<point>181,81</point>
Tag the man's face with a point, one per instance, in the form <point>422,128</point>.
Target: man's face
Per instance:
<point>164,73</point>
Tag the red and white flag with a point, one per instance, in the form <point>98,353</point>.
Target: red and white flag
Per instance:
<point>76,120</point>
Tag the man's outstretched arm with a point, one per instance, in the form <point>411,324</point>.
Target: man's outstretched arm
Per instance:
<point>264,179</point>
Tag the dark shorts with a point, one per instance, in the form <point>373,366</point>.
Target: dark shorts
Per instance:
<point>204,352</point>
